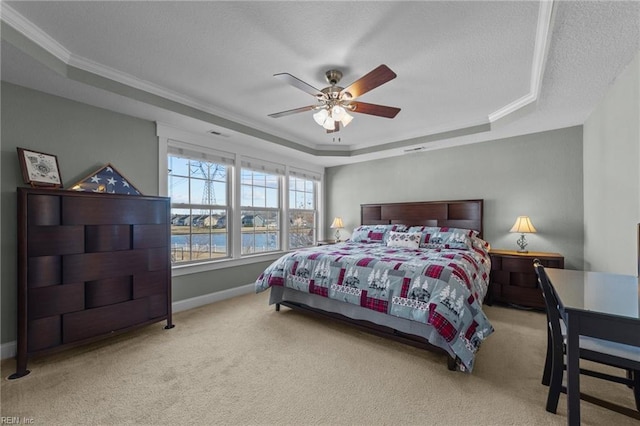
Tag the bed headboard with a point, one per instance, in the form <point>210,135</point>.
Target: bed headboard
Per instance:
<point>456,214</point>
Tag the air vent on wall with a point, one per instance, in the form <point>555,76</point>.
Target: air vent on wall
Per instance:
<point>417,149</point>
<point>217,133</point>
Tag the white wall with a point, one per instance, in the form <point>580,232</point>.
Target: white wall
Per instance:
<point>539,175</point>
<point>612,177</point>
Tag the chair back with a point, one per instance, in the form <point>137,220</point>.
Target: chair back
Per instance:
<point>551,303</point>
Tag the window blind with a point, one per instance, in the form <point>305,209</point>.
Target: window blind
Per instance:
<point>262,166</point>
<point>211,156</point>
<point>305,174</point>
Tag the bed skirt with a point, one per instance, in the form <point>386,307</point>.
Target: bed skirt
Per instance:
<point>280,294</point>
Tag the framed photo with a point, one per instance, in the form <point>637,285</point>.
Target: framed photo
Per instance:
<point>106,179</point>
<point>39,169</point>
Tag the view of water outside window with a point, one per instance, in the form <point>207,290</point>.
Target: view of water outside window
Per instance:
<point>260,214</point>
<point>198,191</point>
<point>201,226</point>
<point>302,214</point>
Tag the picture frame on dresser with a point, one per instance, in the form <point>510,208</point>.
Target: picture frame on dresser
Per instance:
<point>39,169</point>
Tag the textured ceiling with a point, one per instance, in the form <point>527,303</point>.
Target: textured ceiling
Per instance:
<point>458,64</point>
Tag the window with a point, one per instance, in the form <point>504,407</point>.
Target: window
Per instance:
<point>199,191</point>
<point>259,210</point>
<point>302,211</point>
<point>231,205</point>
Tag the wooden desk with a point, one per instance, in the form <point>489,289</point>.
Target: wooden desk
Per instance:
<point>606,306</point>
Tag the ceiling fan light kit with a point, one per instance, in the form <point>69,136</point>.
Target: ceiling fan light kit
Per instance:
<point>335,102</point>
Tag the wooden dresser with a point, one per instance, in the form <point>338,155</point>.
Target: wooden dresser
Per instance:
<point>513,279</point>
<point>89,266</point>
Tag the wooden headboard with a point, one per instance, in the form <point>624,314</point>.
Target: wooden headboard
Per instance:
<point>456,214</point>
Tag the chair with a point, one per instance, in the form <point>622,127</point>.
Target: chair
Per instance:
<point>592,349</point>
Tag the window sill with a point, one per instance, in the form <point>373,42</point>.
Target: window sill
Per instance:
<point>195,268</point>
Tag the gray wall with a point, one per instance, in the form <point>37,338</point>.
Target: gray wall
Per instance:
<point>538,175</point>
<point>84,138</point>
<point>612,177</point>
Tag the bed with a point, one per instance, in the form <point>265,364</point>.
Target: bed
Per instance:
<point>416,272</point>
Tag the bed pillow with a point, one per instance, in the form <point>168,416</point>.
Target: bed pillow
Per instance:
<point>470,232</point>
<point>480,245</point>
<point>404,239</point>
<point>435,237</point>
<point>375,233</point>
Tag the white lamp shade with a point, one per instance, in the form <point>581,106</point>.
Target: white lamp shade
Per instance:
<point>321,116</point>
<point>346,119</point>
<point>329,124</point>
<point>337,112</point>
<point>523,225</point>
<point>337,223</point>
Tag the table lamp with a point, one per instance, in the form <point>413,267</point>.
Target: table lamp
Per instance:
<point>337,225</point>
<point>523,225</point>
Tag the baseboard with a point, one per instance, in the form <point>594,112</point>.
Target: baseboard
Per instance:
<point>194,302</point>
<point>9,349</point>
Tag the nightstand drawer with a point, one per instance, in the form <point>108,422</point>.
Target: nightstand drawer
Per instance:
<point>523,279</point>
<point>552,263</point>
<point>513,264</point>
<point>513,279</point>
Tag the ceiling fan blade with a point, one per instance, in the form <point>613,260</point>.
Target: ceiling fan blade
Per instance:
<point>296,82</point>
<point>291,111</point>
<point>374,109</point>
<point>375,78</point>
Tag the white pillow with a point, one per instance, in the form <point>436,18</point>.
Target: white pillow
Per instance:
<point>404,239</point>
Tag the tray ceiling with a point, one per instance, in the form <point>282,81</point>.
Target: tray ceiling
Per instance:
<point>467,71</point>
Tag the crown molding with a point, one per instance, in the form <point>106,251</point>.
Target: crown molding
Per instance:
<point>512,107</point>
<point>137,83</point>
<point>126,79</point>
<point>32,32</point>
<point>543,35</point>
<point>46,42</point>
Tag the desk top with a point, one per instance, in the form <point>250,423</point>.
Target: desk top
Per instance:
<point>612,294</point>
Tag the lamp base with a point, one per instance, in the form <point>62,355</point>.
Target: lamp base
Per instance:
<point>522,243</point>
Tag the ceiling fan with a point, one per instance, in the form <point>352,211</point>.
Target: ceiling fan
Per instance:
<point>335,102</point>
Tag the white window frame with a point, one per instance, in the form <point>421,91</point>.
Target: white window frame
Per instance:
<point>274,170</point>
<point>237,147</point>
<point>301,174</point>
<point>226,159</point>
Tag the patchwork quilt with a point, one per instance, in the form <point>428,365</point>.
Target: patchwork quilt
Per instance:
<point>442,287</point>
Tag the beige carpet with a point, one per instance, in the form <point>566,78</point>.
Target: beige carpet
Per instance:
<point>240,362</point>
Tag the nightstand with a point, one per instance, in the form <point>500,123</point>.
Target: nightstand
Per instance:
<point>513,279</point>
<point>326,242</point>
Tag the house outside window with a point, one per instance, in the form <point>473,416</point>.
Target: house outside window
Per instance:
<point>198,185</point>
<point>260,207</point>
<point>302,210</point>
<point>233,206</point>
